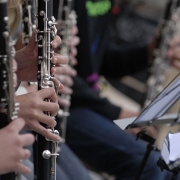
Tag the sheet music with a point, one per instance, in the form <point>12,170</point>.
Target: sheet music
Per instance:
<point>174,146</point>
<point>170,151</point>
<point>161,104</point>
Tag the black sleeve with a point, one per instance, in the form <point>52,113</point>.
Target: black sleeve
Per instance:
<point>119,61</point>
<point>84,96</point>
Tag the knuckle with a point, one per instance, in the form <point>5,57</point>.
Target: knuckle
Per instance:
<point>36,104</point>
<point>34,113</point>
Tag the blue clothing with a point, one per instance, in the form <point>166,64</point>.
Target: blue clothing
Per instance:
<point>103,145</point>
<point>68,165</point>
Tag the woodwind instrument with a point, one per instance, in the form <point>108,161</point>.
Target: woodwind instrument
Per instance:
<point>161,63</point>
<point>8,107</point>
<point>27,22</point>
<point>46,150</point>
<point>67,19</point>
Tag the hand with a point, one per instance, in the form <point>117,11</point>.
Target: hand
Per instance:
<point>32,110</point>
<point>12,151</point>
<point>174,52</point>
<point>27,60</point>
<point>151,131</point>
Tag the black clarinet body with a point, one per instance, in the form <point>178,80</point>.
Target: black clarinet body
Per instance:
<point>8,107</point>
<point>46,150</point>
<point>27,21</point>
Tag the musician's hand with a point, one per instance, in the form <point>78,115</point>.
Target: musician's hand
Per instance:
<point>151,131</point>
<point>27,60</point>
<point>174,52</point>
<point>32,110</point>
<point>12,151</point>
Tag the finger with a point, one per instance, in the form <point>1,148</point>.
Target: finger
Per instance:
<point>73,60</point>
<point>59,59</point>
<point>64,102</point>
<point>16,124</point>
<point>27,139</point>
<point>53,108</point>
<point>176,53</point>
<point>15,79</point>
<point>74,51</point>
<point>65,80</point>
<point>25,154</point>
<point>74,41</point>
<point>66,70</point>
<point>66,90</point>
<point>56,42</point>
<point>22,169</point>
<point>170,54</point>
<point>174,42</point>
<point>176,63</point>
<point>46,133</point>
<point>46,119</point>
<point>14,66</point>
<point>48,93</point>
<point>74,30</point>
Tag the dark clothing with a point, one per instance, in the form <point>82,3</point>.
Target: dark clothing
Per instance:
<point>100,51</point>
<point>104,146</point>
<point>84,96</point>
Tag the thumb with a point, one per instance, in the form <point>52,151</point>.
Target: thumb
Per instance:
<point>32,43</point>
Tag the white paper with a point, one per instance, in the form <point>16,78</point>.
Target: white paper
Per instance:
<point>174,140</point>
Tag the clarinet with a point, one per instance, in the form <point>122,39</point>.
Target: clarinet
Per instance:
<point>157,79</point>
<point>26,22</point>
<point>46,150</point>
<point>65,33</point>
<point>8,107</point>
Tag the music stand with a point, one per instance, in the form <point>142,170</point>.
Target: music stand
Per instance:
<point>153,115</point>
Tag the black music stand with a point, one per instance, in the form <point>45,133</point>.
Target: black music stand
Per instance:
<point>153,115</point>
<point>163,166</point>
